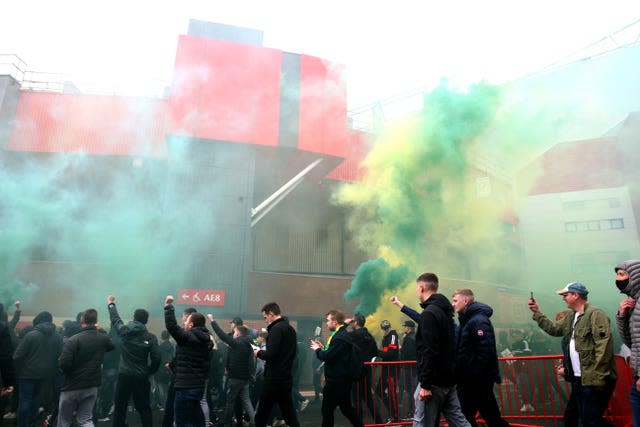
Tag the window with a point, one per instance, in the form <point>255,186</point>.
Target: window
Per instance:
<point>594,225</point>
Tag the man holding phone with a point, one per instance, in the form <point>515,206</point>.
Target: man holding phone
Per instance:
<point>591,364</point>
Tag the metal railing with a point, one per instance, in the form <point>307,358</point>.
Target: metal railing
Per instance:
<point>531,392</point>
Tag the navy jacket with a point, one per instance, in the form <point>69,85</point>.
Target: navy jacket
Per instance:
<point>240,356</point>
<point>476,355</point>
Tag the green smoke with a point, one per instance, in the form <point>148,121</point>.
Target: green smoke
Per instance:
<point>372,279</point>
<point>421,196</point>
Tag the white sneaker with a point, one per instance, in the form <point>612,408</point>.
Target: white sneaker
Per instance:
<point>104,420</point>
<point>9,416</point>
<point>304,404</point>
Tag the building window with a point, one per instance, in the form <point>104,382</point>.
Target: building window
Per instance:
<point>594,225</point>
<point>575,205</point>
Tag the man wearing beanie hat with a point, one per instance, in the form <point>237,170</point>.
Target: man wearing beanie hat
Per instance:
<point>36,359</point>
<point>591,368</point>
<point>628,321</point>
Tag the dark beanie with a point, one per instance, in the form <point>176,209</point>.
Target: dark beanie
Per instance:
<point>42,317</point>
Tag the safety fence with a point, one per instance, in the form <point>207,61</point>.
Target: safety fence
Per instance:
<point>532,392</point>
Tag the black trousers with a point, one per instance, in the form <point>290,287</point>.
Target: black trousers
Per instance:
<point>138,388</point>
<point>272,394</point>
<point>337,393</point>
<point>478,396</point>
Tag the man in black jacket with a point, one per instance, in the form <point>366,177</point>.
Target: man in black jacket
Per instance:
<point>435,357</point>
<point>191,367</point>
<point>240,368</point>
<point>139,359</point>
<point>81,363</point>
<point>476,360</point>
<point>387,383</point>
<point>367,350</point>
<point>279,355</point>
<point>408,371</point>
<point>335,355</point>
<point>36,360</point>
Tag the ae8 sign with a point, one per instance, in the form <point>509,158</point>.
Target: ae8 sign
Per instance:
<point>200,297</point>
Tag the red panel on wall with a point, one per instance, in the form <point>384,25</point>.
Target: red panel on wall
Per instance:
<point>359,145</point>
<point>226,91</point>
<point>323,107</point>
<point>108,125</point>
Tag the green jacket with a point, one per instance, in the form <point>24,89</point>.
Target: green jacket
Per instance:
<point>593,341</point>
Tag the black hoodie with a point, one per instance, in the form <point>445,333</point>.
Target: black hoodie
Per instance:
<point>37,354</point>
<point>435,343</point>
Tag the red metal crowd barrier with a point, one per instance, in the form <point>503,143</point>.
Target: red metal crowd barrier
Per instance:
<point>532,392</point>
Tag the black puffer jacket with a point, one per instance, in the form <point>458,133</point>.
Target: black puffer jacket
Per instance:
<point>240,355</point>
<point>139,350</point>
<point>81,358</point>
<point>476,355</point>
<point>280,352</point>
<point>193,352</point>
<point>37,354</point>
<point>435,343</point>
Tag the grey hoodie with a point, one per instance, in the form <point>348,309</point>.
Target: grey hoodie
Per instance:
<point>629,326</point>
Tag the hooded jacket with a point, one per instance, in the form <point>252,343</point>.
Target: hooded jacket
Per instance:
<point>240,364</point>
<point>476,355</point>
<point>367,347</point>
<point>37,354</point>
<point>435,343</point>
<point>629,326</point>
<point>139,351</point>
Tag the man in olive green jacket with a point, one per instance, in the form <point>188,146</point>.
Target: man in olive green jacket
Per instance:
<point>591,366</point>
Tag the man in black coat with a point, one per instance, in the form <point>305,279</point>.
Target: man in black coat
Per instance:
<point>36,360</point>
<point>191,367</point>
<point>240,368</point>
<point>335,355</point>
<point>367,350</point>
<point>476,360</point>
<point>408,371</point>
<point>139,359</point>
<point>81,364</point>
<point>279,354</point>
<point>435,357</point>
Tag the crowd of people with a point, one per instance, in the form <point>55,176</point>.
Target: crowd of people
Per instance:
<point>82,373</point>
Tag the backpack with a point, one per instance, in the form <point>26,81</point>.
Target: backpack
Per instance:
<point>356,369</point>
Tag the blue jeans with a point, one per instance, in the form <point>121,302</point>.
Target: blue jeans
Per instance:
<point>187,409</point>
<point>634,400</point>
<point>28,401</point>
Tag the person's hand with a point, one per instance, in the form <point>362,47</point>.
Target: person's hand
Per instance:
<point>626,305</point>
<point>425,394</point>
<point>111,299</point>
<point>210,317</point>
<point>533,305</point>
<point>167,367</point>
<point>168,300</point>
<point>348,320</point>
<point>17,304</point>
<point>255,352</point>
<point>4,391</point>
<point>315,345</point>
<point>396,301</point>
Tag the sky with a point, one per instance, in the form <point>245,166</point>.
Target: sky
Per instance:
<point>388,48</point>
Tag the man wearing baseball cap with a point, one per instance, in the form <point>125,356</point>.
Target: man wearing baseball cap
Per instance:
<point>591,368</point>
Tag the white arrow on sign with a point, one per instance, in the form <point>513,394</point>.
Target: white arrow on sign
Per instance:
<point>185,296</point>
